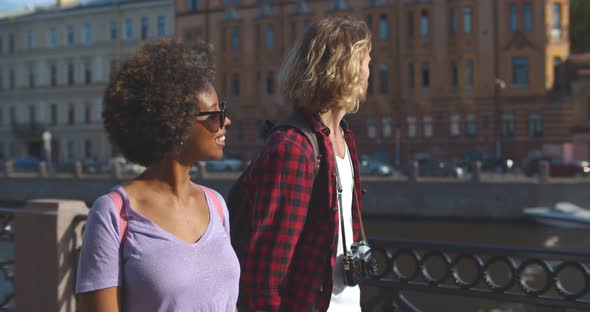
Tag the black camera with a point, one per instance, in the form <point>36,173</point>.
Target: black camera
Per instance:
<point>356,262</point>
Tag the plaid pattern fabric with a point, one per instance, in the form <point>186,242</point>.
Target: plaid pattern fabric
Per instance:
<point>288,265</point>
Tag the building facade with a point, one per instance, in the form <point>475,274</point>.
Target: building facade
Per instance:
<point>447,76</point>
<point>54,66</point>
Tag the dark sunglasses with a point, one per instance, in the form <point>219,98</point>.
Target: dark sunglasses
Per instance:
<point>220,113</point>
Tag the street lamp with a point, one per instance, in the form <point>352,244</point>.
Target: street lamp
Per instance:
<point>46,136</point>
<point>499,86</point>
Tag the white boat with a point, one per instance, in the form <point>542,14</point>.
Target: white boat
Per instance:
<point>563,214</point>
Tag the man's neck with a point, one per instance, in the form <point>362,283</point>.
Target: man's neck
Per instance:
<point>332,119</point>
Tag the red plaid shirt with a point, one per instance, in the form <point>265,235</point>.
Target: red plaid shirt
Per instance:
<point>289,262</point>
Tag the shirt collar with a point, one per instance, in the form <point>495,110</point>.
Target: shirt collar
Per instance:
<point>319,126</point>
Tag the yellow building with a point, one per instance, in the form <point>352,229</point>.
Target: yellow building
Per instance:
<point>55,63</point>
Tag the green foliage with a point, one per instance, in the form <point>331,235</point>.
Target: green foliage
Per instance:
<point>580,26</point>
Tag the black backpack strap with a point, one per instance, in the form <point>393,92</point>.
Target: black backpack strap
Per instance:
<point>300,122</point>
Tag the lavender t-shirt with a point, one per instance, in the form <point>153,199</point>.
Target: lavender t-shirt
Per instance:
<point>157,270</point>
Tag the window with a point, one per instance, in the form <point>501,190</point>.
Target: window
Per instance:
<point>70,35</point>
<point>383,27</point>
<point>193,5</point>
<point>87,34</point>
<point>113,30</point>
<point>387,127</point>
<point>53,113</point>
<point>269,36</point>
<point>71,114</point>
<point>145,27</point>
<point>370,22</point>
<point>513,17</point>
<point>30,40</point>
<point>425,75</point>
<point>71,71</point>
<point>88,148</point>
<point>31,69</point>
<point>411,127</point>
<point>88,113</point>
<point>32,115</point>
<point>427,126</point>
<point>468,83</point>
<point>235,84</point>
<point>411,76</point>
<point>12,116</point>
<point>507,125</point>
<point>53,74</point>
<point>471,125</point>
<point>410,24</point>
<point>11,79</point>
<point>88,72</point>
<point>235,38</point>
<point>371,83</point>
<point>535,125</point>
<point>455,125</point>
<point>161,25</point>
<point>528,17</point>
<point>70,150</point>
<point>306,24</point>
<point>556,21</point>
<point>372,127</point>
<point>424,23</point>
<point>520,71</point>
<point>11,43</point>
<point>454,75</point>
<point>467,19</point>
<point>383,75</point>
<point>556,78</point>
<point>454,21</point>
<point>258,83</point>
<point>485,121</point>
<point>52,38</point>
<point>270,83</point>
<point>128,29</point>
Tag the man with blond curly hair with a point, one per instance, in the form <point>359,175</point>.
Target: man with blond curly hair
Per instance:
<point>293,259</point>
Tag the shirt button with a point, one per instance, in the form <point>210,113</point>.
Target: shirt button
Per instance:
<point>326,131</point>
<point>335,208</point>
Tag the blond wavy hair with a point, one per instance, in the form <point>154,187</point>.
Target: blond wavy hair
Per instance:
<point>322,70</point>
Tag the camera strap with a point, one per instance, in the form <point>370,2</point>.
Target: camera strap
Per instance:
<point>339,190</point>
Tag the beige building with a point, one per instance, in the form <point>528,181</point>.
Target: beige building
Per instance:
<point>447,76</point>
<point>55,63</point>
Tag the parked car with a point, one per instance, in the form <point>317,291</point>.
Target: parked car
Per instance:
<point>89,165</point>
<point>490,163</point>
<point>224,164</point>
<point>29,163</point>
<point>428,167</point>
<point>558,167</point>
<point>369,166</point>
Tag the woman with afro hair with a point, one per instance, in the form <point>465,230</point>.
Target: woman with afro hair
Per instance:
<point>161,242</point>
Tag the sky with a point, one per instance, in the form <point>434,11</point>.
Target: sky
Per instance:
<point>9,5</point>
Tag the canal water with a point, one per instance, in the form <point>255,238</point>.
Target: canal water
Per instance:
<point>510,234</point>
<point>513,234</point>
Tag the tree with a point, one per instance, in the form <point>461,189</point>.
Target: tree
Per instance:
<point>580,26</point>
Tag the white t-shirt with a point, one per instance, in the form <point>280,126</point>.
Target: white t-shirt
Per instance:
<point>345,298</point>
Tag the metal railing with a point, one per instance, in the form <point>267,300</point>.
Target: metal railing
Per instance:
<point>6,265</point>
<point>539,277</point>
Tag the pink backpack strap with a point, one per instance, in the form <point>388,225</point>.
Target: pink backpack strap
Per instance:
<point>216,202</point>
<point>122,216</point>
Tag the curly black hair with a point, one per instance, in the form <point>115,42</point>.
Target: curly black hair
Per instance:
<point>150,104</point>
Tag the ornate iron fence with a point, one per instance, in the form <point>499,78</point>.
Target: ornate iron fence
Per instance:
<point>6,264</point>
<point>540,277</point>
